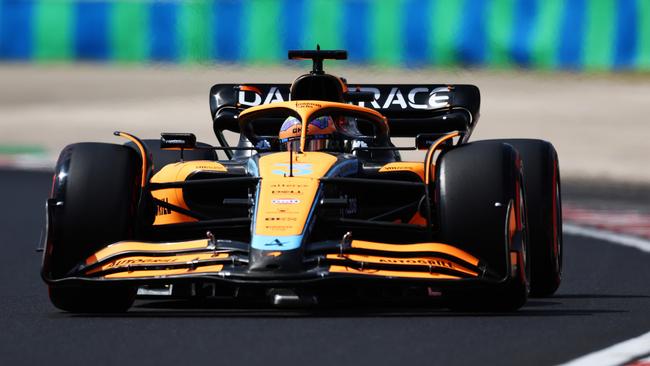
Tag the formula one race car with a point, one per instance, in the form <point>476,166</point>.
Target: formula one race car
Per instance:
<point>314,204</point>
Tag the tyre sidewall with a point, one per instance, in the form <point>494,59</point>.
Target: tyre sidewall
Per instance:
<point>542,183</point>
<point>95,189</point>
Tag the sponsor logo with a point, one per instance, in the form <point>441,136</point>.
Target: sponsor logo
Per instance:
<point>289,185</point>
<point>417,261</point>
<point>278,227</point>
<point>419,97</point>
<point>298,169</point>
<point>127,262</point>
<point>280,219</point>
<point>287,191</point>
<point>276,242</point>
<point>307,105</point>
<point>399,168</point>
<point>285,201</point>
<point>217,167</point>
<point>439,98</point>
<point>163,210</point>
<point>252,97</point>
<point>414,98</point>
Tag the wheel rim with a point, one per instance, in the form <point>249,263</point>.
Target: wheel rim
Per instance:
<point>557,221</point>
<point>524,236</point>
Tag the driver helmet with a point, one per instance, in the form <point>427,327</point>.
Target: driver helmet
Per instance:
<point>319,130</point>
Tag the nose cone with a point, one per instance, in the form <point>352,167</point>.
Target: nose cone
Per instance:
<point>276,260</point>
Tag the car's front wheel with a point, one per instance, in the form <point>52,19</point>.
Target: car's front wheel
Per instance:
<point>543,196</point>
<point>482,209</point>
<point>94,197</point>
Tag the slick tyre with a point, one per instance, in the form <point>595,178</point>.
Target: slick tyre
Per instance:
<point>543,197</point>
<point>163,157</point>
<point>479,189</point>
<point>95,188</point>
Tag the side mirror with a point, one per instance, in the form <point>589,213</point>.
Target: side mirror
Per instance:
<point>424,141</point>
<point>175,141</point>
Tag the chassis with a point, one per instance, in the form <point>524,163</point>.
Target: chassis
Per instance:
<point>478,222</point>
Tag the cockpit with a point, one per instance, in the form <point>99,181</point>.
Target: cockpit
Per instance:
<point>318,126</point>
<point>337,133</point>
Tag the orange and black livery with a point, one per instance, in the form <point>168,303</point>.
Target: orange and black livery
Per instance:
<point>313,203</point>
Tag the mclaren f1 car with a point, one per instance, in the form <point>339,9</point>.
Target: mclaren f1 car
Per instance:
<point>313,204</point>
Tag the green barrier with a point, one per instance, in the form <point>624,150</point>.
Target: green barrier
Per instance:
<point>546,34</point>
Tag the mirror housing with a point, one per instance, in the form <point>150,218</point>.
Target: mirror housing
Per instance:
<point>183,141</point>
<point>424,141</point>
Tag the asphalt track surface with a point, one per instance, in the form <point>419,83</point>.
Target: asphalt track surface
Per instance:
<point>604,299</point>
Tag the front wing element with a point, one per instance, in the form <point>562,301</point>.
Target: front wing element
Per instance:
<point>228,261</point>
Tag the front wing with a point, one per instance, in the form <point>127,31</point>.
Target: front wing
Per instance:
<point>209,260</point>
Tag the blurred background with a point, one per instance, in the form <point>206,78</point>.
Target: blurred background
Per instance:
<point>574,72</point>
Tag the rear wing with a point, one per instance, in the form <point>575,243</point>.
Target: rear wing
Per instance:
<point>411,109</point>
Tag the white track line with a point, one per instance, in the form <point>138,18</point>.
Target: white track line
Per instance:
<point>621,239</point>
<point>617,354</point>
<point>626,351</point>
